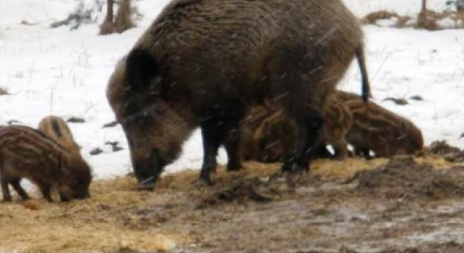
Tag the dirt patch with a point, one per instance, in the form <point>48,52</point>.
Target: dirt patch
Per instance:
<point>449,247</point>
<point>246,211</point>
<point>404,178</point>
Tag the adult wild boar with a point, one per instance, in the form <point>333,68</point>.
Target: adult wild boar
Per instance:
<point>206,62</point>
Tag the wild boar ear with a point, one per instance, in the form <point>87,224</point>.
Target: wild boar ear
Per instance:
<point>141,68</point>
<point>404,126</point>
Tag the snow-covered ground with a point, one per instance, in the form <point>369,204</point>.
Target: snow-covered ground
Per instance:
<point>63,72</point>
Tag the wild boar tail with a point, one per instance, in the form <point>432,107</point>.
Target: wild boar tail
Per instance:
<point>365,87</point>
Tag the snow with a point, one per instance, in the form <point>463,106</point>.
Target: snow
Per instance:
<point>402,7</point>
<point>63,72</point>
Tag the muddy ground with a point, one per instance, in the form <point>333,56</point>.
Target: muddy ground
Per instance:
<point>402,205</point>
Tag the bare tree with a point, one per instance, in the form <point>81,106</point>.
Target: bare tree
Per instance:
<point>424,6</point>
<point>123,20</point>
<point>108,25</point>
<point>426,20</point>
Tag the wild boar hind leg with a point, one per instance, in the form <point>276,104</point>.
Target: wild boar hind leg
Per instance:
<point>45,189</point>
<point>234,154</point>
<point>308,126</point>
<point>296,86</point>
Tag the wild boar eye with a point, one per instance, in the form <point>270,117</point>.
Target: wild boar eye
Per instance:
<point>79,182</point>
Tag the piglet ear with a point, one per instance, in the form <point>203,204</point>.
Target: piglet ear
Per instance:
<point>141,68</point>
<point>60,163</point>
<point>63,163</point>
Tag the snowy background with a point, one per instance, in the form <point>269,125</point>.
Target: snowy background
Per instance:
<point>65,73</point>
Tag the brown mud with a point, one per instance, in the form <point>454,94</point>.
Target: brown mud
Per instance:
<point>402,205</point>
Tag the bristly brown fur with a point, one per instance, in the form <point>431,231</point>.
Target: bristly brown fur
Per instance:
<point>28,153</point>
<point>57,129</point>
<point>338,121</point>
<point>252,121</point>
<point>206,63</point>
<point>273,139</point>
<point>379,130</point>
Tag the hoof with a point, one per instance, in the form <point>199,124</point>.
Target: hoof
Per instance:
<point>7,199</point>
<point>147,184</point>
<point>63,198</point>
<point>205,181</point>
<point>234,168</point>
<point>26,197</point>
<point>293,168</point>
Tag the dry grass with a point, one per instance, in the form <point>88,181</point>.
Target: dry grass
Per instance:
<point>428,20</point>
<point>373,17</point>
<point>110,220</point>
<point>402,21</point>
<point>99,223</point>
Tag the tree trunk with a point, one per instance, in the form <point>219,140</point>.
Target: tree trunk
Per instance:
<point>109,11</point>
<point>424,6</point>
<point>108,25</point>
<point>123,17</point>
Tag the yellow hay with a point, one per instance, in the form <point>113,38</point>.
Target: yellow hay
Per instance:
<point>109,222</point>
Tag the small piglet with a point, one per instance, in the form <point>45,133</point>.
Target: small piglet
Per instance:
<point>28,153</point>
<point>275,136</point>
<point>337,122</point>
<point>252,122</point>
<point>57,129</point>
<point>380,130</point>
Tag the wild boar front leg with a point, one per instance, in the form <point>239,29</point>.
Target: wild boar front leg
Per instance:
<point>210,147</point>
<point>221,127</point>
<point>364,152</point>
<point>17,186</point>
<point>5,190</point>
